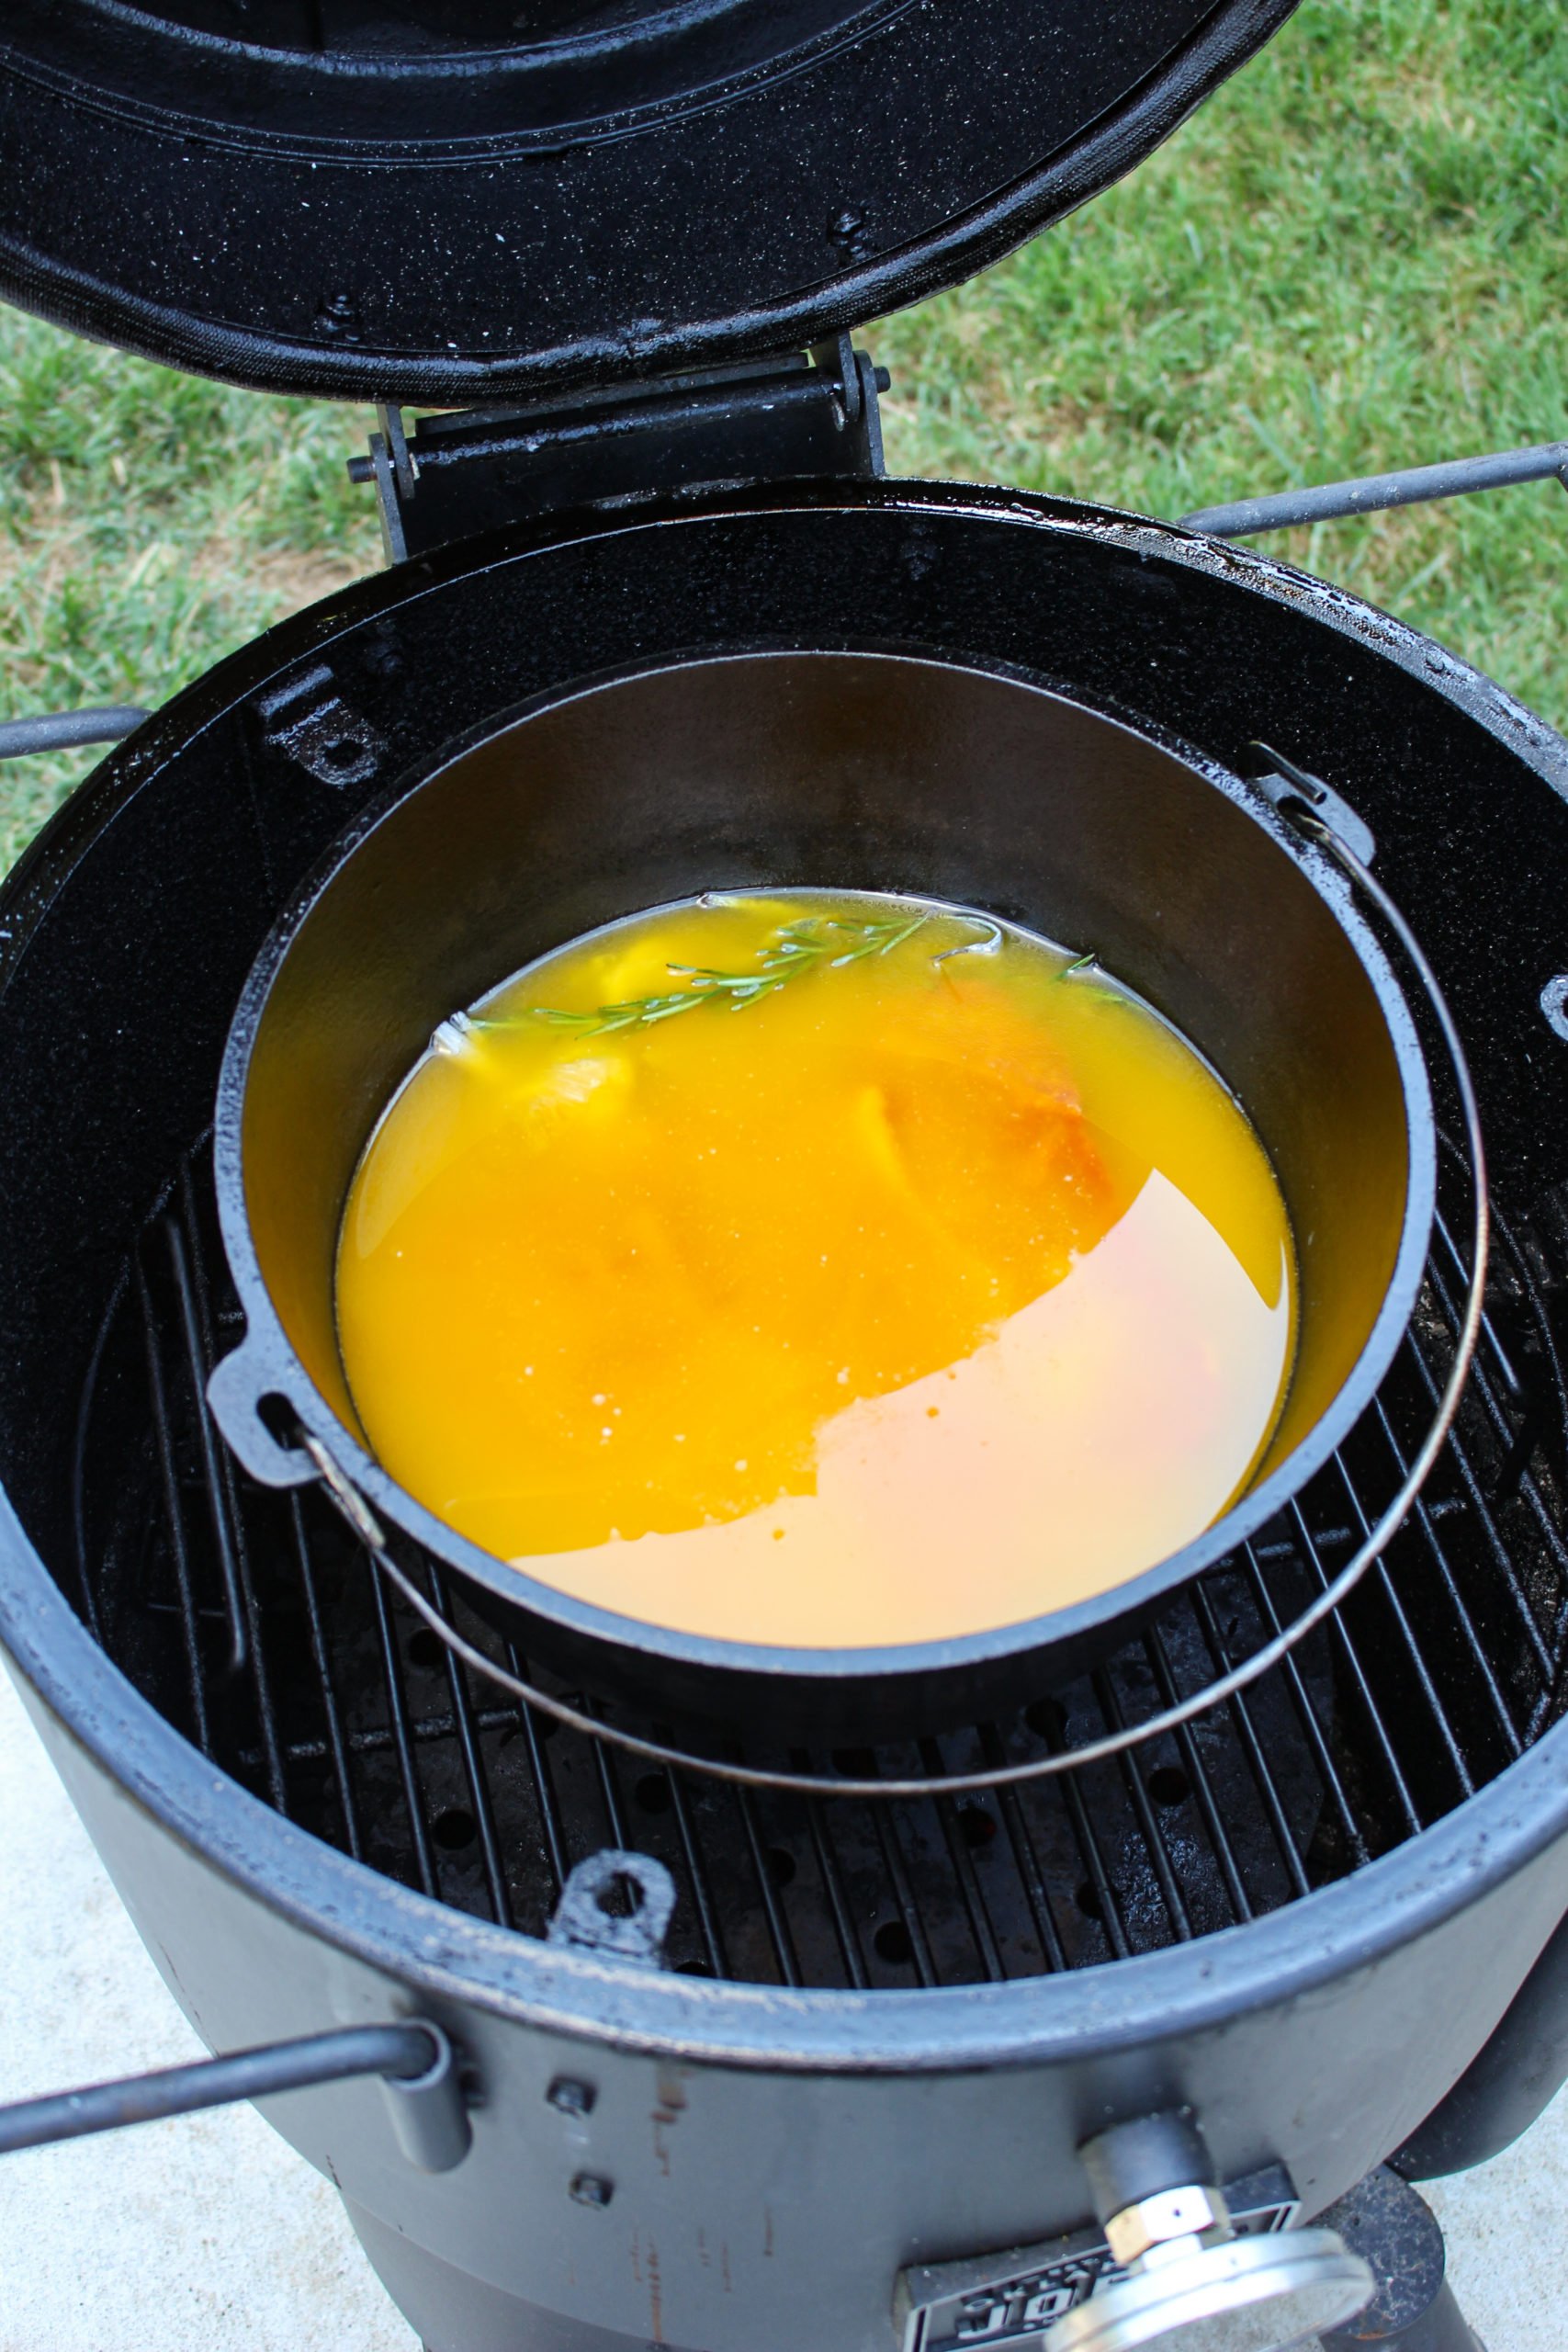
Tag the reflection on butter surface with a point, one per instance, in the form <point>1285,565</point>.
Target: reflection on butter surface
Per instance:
<point>825,1270</point>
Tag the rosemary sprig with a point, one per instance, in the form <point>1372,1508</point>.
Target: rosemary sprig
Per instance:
<point>804,947</point>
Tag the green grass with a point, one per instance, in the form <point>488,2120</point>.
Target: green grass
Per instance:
<point>148,523</point>
<point>1355,256</point>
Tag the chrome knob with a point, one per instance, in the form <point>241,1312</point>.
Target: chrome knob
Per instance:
<point>1189,2282</point>
<point>1252,2294</point>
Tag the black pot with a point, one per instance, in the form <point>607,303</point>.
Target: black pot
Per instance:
<point>864,770</point>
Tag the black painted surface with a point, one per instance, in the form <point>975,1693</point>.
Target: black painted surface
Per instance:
<point>433,203</point>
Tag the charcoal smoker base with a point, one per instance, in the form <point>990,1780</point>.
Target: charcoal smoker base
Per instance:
<point>450,2311</point>
<point>770,2205</point>
<point>913,2087</point>
<point>1414,2309</point>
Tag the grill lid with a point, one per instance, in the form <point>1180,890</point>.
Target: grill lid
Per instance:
<point>433,199</point>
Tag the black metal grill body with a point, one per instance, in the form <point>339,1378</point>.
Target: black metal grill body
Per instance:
<point>285,195</point>
<point>775,2161</point>
<point>775,2150</point>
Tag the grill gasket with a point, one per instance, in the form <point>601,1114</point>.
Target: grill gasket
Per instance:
<point>251,1620</point>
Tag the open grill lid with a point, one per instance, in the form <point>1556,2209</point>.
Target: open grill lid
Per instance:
<point>433,200</point>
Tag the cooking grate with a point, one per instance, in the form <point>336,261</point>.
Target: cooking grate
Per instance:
<point>257,1625</point>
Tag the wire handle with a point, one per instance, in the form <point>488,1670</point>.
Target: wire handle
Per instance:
<point>1296,807</point>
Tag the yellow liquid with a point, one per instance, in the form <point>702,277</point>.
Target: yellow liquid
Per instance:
<point>922,1293</point>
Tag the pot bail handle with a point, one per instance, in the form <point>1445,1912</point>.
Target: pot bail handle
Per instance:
<point>248,1397</point>
<point>1318,813</point>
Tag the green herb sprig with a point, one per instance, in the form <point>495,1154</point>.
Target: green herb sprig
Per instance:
<point>805,946</point>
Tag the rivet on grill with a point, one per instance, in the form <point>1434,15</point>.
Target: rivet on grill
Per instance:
<point>591,2188</point>
<point>572,2097</point>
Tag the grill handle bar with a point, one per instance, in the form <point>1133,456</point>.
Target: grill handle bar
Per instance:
<point>64,730</point>
<point>1413,486</point>
<point>1310,805</point>
<point>416,2061</point>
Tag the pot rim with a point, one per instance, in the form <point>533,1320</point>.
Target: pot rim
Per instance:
<point>823,1671</point>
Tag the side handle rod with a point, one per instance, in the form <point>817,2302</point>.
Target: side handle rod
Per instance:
<point>62,731</point>
<point>1370,492</point>
<point>415,2061</point>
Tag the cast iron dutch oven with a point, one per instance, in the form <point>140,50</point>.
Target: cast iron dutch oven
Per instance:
<point>868,770</point>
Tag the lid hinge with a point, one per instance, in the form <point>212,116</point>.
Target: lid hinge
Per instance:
<point>462,470</point>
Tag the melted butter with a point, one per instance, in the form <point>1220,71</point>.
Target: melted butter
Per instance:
<point>919,1294</point>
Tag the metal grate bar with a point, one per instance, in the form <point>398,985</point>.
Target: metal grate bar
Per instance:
<point>1370,1713</point>
<point>1312,1730</point>
<point>1427,1525</point>
<point>407,1767</point>
<point>195,1308</point>
<point>887,1838</point>
<point>1202,1788</point>
<point>330,1711</point>
<point>609,1787</point>
<point>88,1565</point>
<point>1501,1559</point>
<point>1026,1860</point>
<point>773,1910</point>
<point>190,1265</point>
<point>212,1477</point>
<point>1148,1829</point>
<point>173,1517</point>
<point>1507,1247</point>
<point>1106,1908</point>
<point>963,1870</point>
<point>1240,1712</point>
<point>545,1798</point>
<point>1381,1581</point>
<point>708,1925</point>
<point>833,1886</point>
<point>245,1616</point>
<point>473,1765</point>
<point>1475,1489</point>
<point>1529,1392</point>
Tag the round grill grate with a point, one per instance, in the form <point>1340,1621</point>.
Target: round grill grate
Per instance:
<point>262,1631</point>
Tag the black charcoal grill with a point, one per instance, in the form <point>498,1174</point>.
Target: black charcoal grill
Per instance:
<point>1076,2047</point>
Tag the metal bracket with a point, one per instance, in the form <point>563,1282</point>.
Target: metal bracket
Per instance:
<point>1295,792</point>
<point>616,1904</point>
<point>308,718</point>
<point>465,471</point>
